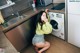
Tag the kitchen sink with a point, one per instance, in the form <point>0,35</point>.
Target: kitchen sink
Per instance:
<point>15,20</point>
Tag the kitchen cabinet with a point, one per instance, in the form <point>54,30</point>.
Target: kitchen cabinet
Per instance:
<point>21,35</point>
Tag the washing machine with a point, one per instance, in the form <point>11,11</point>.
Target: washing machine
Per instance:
<point>57,21</point>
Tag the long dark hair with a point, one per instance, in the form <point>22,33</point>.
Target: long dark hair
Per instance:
<point>39,18</point>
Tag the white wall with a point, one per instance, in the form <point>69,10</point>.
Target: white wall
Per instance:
<point>58,1</point>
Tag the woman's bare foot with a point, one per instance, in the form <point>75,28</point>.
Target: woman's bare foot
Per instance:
<point>39,52</point>
<point>46,46</point>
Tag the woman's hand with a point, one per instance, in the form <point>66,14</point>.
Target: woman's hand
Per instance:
<point>44,18</point>
<point>46,10</point>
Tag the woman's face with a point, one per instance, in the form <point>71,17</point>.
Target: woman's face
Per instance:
<point>43,17</point>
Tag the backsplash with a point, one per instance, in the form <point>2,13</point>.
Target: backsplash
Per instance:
<point>18,6</point>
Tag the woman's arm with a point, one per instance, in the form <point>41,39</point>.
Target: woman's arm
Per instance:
<point>47,28</point>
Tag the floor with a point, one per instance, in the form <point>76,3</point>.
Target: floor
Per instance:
<point>57,46</point>
<point>6,45</point>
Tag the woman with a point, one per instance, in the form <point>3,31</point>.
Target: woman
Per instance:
<point>43,27</point>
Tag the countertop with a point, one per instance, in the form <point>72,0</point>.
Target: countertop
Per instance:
<point>18,22</point>
<point>25,18</point>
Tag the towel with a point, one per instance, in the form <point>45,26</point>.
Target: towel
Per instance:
<point>1,18</point>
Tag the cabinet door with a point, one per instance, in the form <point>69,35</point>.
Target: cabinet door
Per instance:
<point>21,36</point>
<point>16,38</point>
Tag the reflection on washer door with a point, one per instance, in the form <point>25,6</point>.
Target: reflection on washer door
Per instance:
<point>54,24</point>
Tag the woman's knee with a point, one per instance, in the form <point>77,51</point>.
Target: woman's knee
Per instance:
<point>47,44</point>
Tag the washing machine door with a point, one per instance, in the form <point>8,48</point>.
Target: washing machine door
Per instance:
<point>56,25</point>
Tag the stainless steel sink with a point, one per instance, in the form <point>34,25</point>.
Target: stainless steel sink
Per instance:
<point>12,21</point>
<point>16,19</point>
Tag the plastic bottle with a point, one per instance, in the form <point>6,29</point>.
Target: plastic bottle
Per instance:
<point>34,7</point>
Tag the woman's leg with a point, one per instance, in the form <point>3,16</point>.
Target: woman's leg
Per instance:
<point>46,46</point>
<point>38,45</point>
<point>36,48</point>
